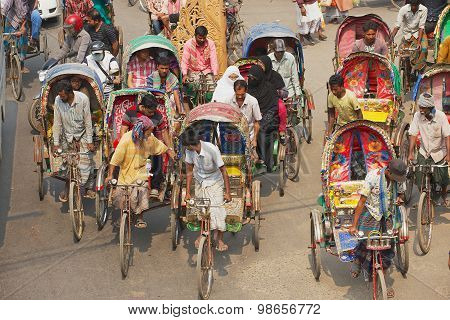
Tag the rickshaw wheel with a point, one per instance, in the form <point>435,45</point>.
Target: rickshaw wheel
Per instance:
<point>402,253</point>
<point>76,210</point>
<point>44,48</point>
<point>143,6</point>
<point>16,77</point>
<point>425,212</point>
<point>174,229</point>
<point>34,116</point>
<point>282,177</point>
<point>292,154</point>
<point>307,119</point>
<point>40,173</point>
<point>204,268</point>
<point>120,36</point>
<point>132,2</point>
<point>125,243</point>
<point>379,286</point>
<point>315,254</point>
<point>101,200</point>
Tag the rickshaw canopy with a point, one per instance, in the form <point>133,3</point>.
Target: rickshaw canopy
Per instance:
<point>443,26</point>
<point>351,29</point>
<point>435,81</point>
<point>62,71</point>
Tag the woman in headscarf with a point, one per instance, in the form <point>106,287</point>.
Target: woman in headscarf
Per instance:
<point>225,86</point>
<point>276,80</point>
<point>265,93</point>
<point>131,154</point>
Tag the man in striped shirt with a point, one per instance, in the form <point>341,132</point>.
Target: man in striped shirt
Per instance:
<point>72,125</point>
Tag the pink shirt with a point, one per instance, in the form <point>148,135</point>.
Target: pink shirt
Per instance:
<point>140,71</point>
<point>199,59</point>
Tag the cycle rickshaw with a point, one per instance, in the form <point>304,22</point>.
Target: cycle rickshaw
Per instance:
<point>44,157</point>
<point>351,29</point>
<point>119,102</point>
<point>350,153</point>
<point>442,30</point>
<point>435,81</point>
<point>376,83</point>
<point>227,128</point>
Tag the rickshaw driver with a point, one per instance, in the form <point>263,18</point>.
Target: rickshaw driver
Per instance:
<point>204,163</point>
<point>72,123</point>
<point>412,18</point>
<point>164,79</point>
<point>373,211</point>
<point>370,42</point>
<point>284,63</point>
<point>131,154</point>
<point>148,108</point>
<point>200,57</point>
<point>342,101</point>
<point>434,130</point>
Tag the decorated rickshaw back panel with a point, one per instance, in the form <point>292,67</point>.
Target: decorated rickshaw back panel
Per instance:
<point>439,86</point>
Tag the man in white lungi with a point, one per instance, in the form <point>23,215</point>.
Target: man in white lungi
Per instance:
<point>204,163</point>
<point>309,20</point>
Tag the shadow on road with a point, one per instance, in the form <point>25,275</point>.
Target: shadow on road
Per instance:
<point>7,163</point>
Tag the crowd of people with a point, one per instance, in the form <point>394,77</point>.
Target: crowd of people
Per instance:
<point>92,39</point>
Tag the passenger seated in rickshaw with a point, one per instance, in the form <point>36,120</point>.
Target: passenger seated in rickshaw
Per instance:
<point>342,102</point>
<point>444,51</point>
<point>284,63</point>
<point>277,83</point>
<point>131,156</point>
<point>148,108</point>
<point>72,124</point>
<point>370,42</point>
<point>250,108</point>
<point>78,85</point>
<point>224,89</point>
<point>199,57</point>
<point>100,31</point>
<point>163,79</point>
<point>267,98</point>
<point>382,192</point>
<point>204,163</point>
<point>139,68</point>
<point>174,65</point>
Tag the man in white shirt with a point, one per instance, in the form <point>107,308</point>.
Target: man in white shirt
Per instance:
<point>284,63</point>
<point>434,130</point>
<point>249,107</point>
<point>412,18</point>
<point>204,163</point>
<point>105,66</point>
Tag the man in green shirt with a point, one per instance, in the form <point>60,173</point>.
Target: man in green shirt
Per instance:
<point>343,102</point>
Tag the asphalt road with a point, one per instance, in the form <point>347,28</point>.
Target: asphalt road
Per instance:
<point>39,259</point>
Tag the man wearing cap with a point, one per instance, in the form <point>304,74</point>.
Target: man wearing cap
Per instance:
<point>131,155</point>
<point>434,130</point>
<point>105,66</point>
<point>382,190</point>
<point>284,63</point>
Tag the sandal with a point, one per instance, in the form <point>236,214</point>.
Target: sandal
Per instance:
<point>390,292</point>
<point>355,270</point>
<point>140,224</point>
<point>222,248</point>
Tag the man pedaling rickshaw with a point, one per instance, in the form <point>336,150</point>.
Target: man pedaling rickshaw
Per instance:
<point>148,108</point>
<point>131,155</point>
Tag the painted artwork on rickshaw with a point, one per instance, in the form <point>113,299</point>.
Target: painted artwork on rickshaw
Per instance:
<point>436,81</point>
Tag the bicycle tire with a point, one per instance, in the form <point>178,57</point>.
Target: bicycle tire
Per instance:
<point>174,229</point>
<point>40,173</point>
<point>143,6</point>
<point>34,116</point>
<point>398,3</point>
<point>204,268</point>
<point>256,229</point>
<point>16,77</point>
<point>315,253</point>
<point>125,243</point>
<point>76,210</point>
<point>424,244</point>
<point>379,286</point>
<point>131,3</point>
<point>292,138</point>
<point>101,200</point>
<point>282,177</point>
<point>45,50</point>
<point>402,254</point>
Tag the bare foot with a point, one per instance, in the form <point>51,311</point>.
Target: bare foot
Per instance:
<point>25,70</point>
<point>221,247</point>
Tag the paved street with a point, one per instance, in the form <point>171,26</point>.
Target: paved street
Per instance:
<point>39,259</point>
